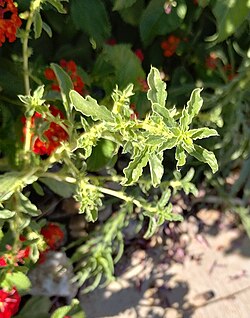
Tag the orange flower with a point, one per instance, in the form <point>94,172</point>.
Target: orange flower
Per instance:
<point>53,235</point>
<point>9,21</point>
<point>170,45</point>
<point>71,68</point>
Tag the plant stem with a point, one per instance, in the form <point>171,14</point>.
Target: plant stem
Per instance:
<point>28,135</point>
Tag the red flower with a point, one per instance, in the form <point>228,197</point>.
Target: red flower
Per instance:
<point>139,54</point>
<point>143,84</point>
<point>71,68</point>
<point>9,303</point>
<point>9,21</point>
<point>229,72</point>
<point>54,135</point>
<point>111,41</point>
<point>211,61</point>
<point>135,114</point>
<point>170,45</point>
<point>2,261</point>
<point>53,235</point>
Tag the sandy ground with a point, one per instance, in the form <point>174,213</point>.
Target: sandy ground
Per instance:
<point>211,279</point>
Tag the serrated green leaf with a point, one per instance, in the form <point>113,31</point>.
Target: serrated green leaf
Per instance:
<point>37,24</point>
<point>157,88</point>
<point>229,16</point>
<point>156,168</point>
<point>89,107</point>
<point>155,21</point>
<point>6,214</point>
<point>165,113</point>
<point>14,181</point>
<point>194,105</point>
<point>17,279</point>
<point>26,206</point>
<point>64,189</point>
<point>152,226</point>
<point>180,156</point>
<point>58,5</point>
<point>201,133</point>
<point>65,85</point>
<point>169,144</point>
<point>92,18</point>
<point>135,168</point>
<point>203,155</point>
<point>123,4</point>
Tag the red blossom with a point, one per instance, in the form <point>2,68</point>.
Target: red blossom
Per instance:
<point>111,41</point>
<point>71,68</point>
<point>135,114</point>
<point>9,303</point>
<point>139,54</point>
<point>53,235</point>
<point>143,84</point>
<point>211,61</point>
<point>54,135</point>
<point>9,21</point>
<point>2,261</point>
<point>170,45</point>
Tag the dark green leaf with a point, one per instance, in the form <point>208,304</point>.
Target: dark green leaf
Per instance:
<point>229,16</point>
<point>62,188</point>
<point>26,206</point>
<point>88,106</point>
<point>92,18</point>
<point>65,85</point>
<point>132,14</point>
<point>155,21</point>
<point>123,4</point>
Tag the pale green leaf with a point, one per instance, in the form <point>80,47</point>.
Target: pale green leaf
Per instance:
<point>165,113</point>
<point>14,181</point>
<point>26,206</point>
<point>58,5</point>
<point>37,24</point>
<point>152,226</point>
<point>203,155</point>
<point>157,88</point>
<point>89,107</point>
<point>194,104</point>
<point>156,168</point>
<point>180,156</point>
<point>47,29</point>
<point>6,214</point>
<point>169,143</point>
<point>201,133</point>
<point>17,279</point>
